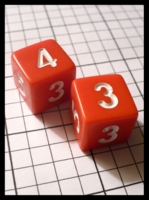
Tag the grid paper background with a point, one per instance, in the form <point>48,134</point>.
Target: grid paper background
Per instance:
<point>42,156</point>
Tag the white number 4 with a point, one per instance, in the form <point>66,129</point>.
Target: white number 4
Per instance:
<point>50,61</point>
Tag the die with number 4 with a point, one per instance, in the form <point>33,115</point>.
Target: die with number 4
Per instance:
<point>43,73</point>
<point>102,110</point>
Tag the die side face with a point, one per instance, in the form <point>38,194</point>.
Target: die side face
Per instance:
<point>105,109</point>
<point>45,72</point>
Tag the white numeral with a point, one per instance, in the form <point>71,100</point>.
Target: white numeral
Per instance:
<point>21,84</point>
<point>43,52</point>
<point>75,115</point>
<point>113,134</point>
<point>108,93</point>
<point>59,90</point>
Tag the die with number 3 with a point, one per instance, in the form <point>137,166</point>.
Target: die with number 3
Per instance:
<point>43,73</point>
<point>102,110</point>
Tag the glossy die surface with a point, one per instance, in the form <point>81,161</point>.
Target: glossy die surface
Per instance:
<point>102,110</point>
<point>43,73</point>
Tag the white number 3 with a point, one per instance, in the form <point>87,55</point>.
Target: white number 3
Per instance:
<point>113,134</point>
<point>59,90</point>
<point>108,93</point>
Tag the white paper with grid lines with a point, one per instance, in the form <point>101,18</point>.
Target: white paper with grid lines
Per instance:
<point>42,156</point>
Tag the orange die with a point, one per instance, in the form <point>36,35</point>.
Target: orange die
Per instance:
<point>102,110</point>
<point>43,73</point>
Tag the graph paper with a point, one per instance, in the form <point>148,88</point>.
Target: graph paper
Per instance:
<point>42,156</point>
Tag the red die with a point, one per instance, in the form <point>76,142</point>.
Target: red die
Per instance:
<point>43,73</point>
<point>102,110</point>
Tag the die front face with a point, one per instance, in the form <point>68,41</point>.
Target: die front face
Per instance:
<point>43,73</point>
<point>102,110</point>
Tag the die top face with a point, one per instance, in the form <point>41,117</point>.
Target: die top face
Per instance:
<point>103,97</point>
<point>41,60</point>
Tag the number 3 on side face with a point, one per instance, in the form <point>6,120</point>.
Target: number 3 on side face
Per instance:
<point>108,93</point>
<point>113,134</point>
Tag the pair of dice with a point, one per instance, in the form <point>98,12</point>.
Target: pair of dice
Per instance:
<point>102,109</point>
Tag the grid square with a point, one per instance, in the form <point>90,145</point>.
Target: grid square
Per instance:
<point>83,19</point>
<point>61,151</point>
<point>81,164</point>
<point>139,103</point>
<point>100,25</point>
<point>88,72</point>
<point>109,44</point>
<point>70,20</point>
<point>43,23</point>
<point>26,110</point>
<point>138,152</point>
<point>141,169</point>
<point>6,144</point>
<point>56,135</point>
<point>28,191</point>
<point>128,53</point>
<point>104,161</point>
<point>8,71</point>
<point>119,66</point>
<point>138,75</point>
<point>70,132</point>
<point>41,155</point>
<point>13,110</point>
<point>57,21</point>
<point>136,137</point>
<point>21,159</point>
<point>45,173</point>
<point>87,27</point>
<point>18,141</point>
<point>27,16</point>
<point>49,189</point>
<point>76,38</point>
<point>15,125</point>
<point>10,192</point>
<point>91,36</point>
<point>123,43</point>
<point>29,25</point>
<point>70,187</point>
<point>40,15</point>
<point>76,151</point>
<point>73,29</point>
<point>126,159</point>
<point>45,32</point>
<point>129,174</point>
<point>33,122</point>
<point>141,118</point>
<point>81,48</point>
<point>11,96</point>
<point>111,179</point>
<point>100,57</point>
<point>114,55</point>
<point>91,183</point>
<point>65,169</point>
<point>136,41</point>
<point>127,77</point>
<point>85,59</point>
<point>66,116</point>
<point>24,177</point>
<point>9,184</point>
<point>9,83</point>
<point>7,162</point>
<point>120,191</point>
<point>137,189</point>
<point>139,51</point>
<point>37,138</point>
<point>95,46</point>
<point>63,39</point>
<point>134,64</point>
<point>141,87</point>
<point>104,35</point>
<point>133,90</point>
<point>105,68</point>
<point>118,33</point>
<point>18,45</point>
